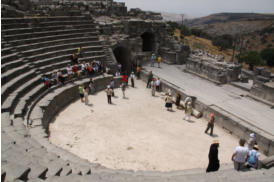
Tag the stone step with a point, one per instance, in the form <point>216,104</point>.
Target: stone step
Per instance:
<point>91,31</point>
<point>38,45</point>
<point>52,38</point>
<point>84,24</point>
<point>11,73</point>
<point>68,51</point>
<point>9,57</point>
<point>12,64</point>
<point>13,84</point>
<point>48,61</point>
<point>38,20</point>
<point>14,171</point>
<point>7,51</point>
<point>54,47</point>
<point>22,106</point>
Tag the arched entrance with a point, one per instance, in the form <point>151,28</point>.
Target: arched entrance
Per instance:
<point>148,41</point>
<point>123,57</point>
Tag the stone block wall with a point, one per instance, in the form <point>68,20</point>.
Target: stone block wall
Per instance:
<point>213,71</point>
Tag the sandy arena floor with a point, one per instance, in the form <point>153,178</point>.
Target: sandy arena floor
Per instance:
<point>137,133</point>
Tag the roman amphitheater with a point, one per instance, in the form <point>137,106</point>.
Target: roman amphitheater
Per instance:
<point>48,134</point>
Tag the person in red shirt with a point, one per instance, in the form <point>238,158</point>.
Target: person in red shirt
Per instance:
<point>75,70</point>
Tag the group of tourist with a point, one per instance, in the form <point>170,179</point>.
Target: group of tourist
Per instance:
<point>154,58</point>
<point>75,70</point>
<point>243,157</point>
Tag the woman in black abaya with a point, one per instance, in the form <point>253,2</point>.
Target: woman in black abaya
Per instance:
<point>214,163</point>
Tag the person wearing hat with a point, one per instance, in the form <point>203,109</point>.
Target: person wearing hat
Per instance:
<point>252,141</point>
<point>109,93</point>
<point>214,163</point>
<point>210,124</point>
<point>168,102</point>
<point>254,157</point>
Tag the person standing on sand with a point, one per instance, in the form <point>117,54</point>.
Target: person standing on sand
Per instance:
<point>153,87</point>
<point>91,86</point>
<point>169,102</point>
<point>150,76</point>
<point>86,95</point>
<point>123,86</point>
<point>112,86</point>
<point>214,163</point>
<point>210,124</point>
<point>178,100</point>
<point>109,93</point>
<point>132,77</point>
<point>158,84</point>
<point>188,112</point>
<point>81,92</point>
<point>139,68</point>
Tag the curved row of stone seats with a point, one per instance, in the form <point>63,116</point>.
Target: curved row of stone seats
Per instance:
<point>24,158</point>
<point>41,55</point>
<point>47,33</point>
<point>29,29</point>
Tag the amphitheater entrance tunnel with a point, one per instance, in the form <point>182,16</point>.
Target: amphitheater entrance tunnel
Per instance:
<point>148,41</point>
<point>123,56</point>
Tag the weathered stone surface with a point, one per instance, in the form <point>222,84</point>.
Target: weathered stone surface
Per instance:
<point>15,171</point>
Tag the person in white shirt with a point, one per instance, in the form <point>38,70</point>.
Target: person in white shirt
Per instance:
<point>69,72</point>
<point>158,84</point>
<point>240,155</point>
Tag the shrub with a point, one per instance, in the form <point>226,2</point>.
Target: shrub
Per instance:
<point>252,58</point>
<point>268,55</point>
<point>223,41</point>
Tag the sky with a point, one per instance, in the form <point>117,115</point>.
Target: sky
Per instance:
<point>198,8</point>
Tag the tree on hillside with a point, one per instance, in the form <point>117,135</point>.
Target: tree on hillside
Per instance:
<point>223,41</point>
<point>252,58</point>
<point>268,55</point>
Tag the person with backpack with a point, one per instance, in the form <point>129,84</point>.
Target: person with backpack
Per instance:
<point>254,157</point>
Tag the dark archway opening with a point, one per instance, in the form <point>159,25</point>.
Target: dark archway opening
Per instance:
<point>148,41</point>
<point>123,57</point>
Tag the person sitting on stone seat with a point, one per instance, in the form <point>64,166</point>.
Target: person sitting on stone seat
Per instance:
<point>61,77</point>
<point>74,58</point>
<point>80,51</point>
<point>69,72</point>
<point>54,78</point>
<point>75,70</point>
<point>254,158</point>
<point>46,81</point>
